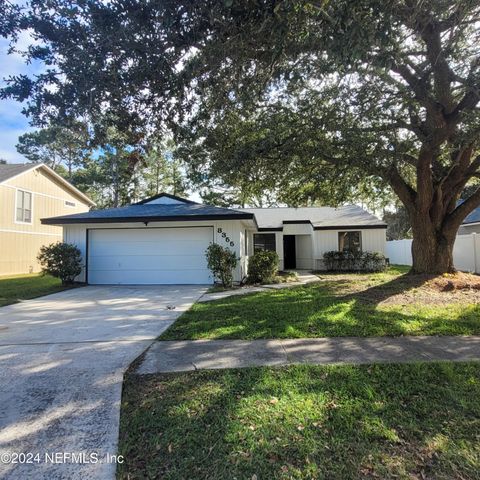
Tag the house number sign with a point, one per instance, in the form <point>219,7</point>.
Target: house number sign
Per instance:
<point>224,235</point>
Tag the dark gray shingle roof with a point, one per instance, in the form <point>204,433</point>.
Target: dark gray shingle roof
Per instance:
<point>10,170</point>
<point>319,217</point>
<point>151,213</point>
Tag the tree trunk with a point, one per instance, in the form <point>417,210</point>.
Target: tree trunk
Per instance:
<point>432,250</point>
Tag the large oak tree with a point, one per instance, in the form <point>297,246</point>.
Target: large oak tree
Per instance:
<point>371,88</point>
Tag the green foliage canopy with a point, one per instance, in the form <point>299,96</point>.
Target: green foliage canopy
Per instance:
<point>281,94</point>
<point>59,147</point>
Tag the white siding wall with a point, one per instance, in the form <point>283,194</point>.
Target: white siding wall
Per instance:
<point>76,234</point>
<point>325,241</point>
<point>297,229</point>
<point>233,229</point>
<point>310,249</point>
<point>303,245</point>
<point>373,240</point>
<point>278,245</point>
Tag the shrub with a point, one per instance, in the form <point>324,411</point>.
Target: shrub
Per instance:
<point>61,260</point>
<point>354,261</point>
<point>262,267</point>
<point>221,262</point>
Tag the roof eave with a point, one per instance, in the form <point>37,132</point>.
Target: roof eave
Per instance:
<point>36,166</point>
<point>68,185</point>
<point>148,219</point>
<point>33,167</point>
<point>350,227</point>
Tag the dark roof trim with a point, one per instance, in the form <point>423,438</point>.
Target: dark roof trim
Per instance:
<point>191,218</point>
<point>350,227</point>
<point>293,222</point>
<point>168,195</point>
<point>475,222</point>
<point>340,227</point>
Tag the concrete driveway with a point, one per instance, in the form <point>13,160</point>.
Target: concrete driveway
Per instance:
<point>62,359</point>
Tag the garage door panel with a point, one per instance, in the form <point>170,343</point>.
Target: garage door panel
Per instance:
<point>151,262</point>
<point>139,249</point>
<point>165,234</point>
<point>150,277</point>
<point>149,256</point>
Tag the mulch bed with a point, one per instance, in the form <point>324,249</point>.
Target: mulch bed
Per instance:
<point>409,289</point>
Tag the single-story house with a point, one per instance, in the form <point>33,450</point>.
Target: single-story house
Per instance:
<point>29,192</point>
<point>471,224</point>
<point>162,240</point>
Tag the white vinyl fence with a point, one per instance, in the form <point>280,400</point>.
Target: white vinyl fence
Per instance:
<point>399,252</point>
<point>466,252</point>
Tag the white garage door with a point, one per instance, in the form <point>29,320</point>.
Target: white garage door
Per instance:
<point>149,256</point>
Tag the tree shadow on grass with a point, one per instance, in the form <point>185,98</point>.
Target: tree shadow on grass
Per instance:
<point>379,292</point>
<point>408,314</point>
<point>381,421</point>
<point>324,310</point>
<point>399,285</point>
<point>314,311</point>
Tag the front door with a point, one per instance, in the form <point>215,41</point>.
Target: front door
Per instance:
<point>289,260</point>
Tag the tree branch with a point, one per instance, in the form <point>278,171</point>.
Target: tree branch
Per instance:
<point>442,73</point>
<point>404,191</point>
<point>455,219</point>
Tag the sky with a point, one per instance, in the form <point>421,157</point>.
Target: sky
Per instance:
<point>12,122</point>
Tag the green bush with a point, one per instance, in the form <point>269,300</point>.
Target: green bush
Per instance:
<point>61,260</point>
<point>262,267</point>
<point>354,261</point>
<point>221,262</point>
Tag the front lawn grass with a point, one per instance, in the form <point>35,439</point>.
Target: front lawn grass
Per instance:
<point>389,303</point>
<point>408,421</point>
<point>15,288</point>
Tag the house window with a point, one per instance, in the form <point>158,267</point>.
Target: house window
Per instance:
<point>350,241</point>
<point>69,204</point>
<point>24,207</point>
<point>264,241</point>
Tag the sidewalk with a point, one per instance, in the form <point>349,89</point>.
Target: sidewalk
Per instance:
<point>179,356</point>
<point>304,277</point>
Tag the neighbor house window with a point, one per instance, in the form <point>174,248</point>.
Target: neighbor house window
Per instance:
<point>349,241</point>
<point>24,207</point>
<point>264,241</point>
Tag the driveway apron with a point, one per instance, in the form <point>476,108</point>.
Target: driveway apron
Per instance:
<point>62,360</point>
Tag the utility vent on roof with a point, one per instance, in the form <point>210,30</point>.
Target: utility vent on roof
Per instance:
<point>70,204</point>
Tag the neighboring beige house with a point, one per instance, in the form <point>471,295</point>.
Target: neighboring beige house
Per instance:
<point>29,192</point>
